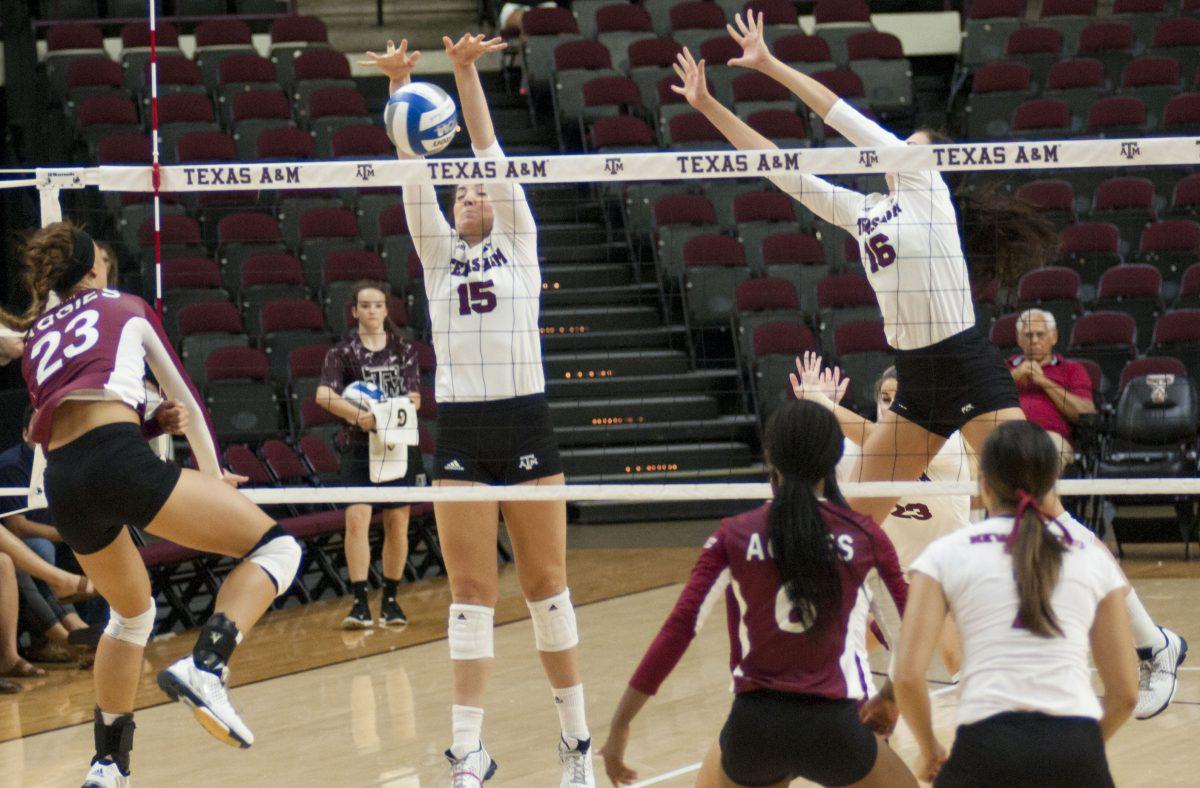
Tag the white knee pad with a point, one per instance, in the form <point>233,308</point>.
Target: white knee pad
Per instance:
<point>470,631</point>
<point>554,627</point>
<point>279,555</point>
<point>134,630</point>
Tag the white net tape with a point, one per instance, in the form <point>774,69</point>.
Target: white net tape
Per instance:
<point>616,167</point>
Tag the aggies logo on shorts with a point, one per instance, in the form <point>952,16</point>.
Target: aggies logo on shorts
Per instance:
<point>527,462</point>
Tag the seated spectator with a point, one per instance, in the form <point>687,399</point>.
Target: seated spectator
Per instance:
<point>1054,391</point>
<point>10,660</point>
<point>41,613</point>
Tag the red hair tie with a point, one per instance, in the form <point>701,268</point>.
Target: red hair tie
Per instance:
<point>1027,501</point>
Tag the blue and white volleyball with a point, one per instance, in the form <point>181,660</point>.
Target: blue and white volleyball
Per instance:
<point>421,119</point>
<point>362,394</point>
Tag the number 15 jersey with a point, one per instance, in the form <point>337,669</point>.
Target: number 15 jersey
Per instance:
<point>908,240</point>
<point>484,300</point>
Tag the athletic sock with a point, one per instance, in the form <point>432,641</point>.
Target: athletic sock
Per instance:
<point>108,717</point>
<point>360,591</point>
<point>390,587</point>
<point>214,647</point>
<point>569,704</point>
<point>1146,634</point>
<point>467,727</point>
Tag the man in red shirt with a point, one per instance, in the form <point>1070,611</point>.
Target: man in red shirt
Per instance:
<point>1054,392</point>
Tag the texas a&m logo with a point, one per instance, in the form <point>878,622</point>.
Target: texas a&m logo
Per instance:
<point>366,172</point>
<point>868,158</point>
<point>613,166</point>
<point>1130,150</point>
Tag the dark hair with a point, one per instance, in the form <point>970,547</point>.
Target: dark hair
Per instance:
<point>52,258</point>
<point>389,325</point>
<point>803,443</point>
<point>27,416</point>
<point>887,374</point>
<point>114,265</point>
<point>1002,236</point>
<point>1019,462</point>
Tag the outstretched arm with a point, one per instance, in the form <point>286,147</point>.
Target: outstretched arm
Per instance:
<point>826,387</point>
<point>824,102</point>
<point>463,54</point>
<point>756,55</point>
<point>832,203</point>
<point>430,230</point>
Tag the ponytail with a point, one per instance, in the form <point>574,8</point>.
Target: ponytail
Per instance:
<point>803,444</point>
<point>1003,237</point>
<point>54,258</point>
<point>1037,558</point>
<point>803,551</point>
<point>1020,466</point>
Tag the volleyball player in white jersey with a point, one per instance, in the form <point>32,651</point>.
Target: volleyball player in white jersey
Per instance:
<point>1030,592</point>
<point>950,377</point>
<point>913,523</point>
<point>484,284</point>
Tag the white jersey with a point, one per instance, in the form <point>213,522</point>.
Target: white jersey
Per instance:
<point>908,240</point>
<point>915,522</point>
<point>483,299</point>
<point>1005,667</point>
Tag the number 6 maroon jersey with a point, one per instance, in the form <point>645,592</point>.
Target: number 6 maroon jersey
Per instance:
<point>96,346</point>
<point>769,648</point>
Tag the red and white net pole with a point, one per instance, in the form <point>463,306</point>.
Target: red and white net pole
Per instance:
<point>155,171</point>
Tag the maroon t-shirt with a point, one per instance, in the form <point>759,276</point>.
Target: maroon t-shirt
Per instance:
<point>97,345</point>
<point>394,369</point>
<point>768,648</point>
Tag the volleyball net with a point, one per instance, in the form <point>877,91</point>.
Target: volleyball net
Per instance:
<point>676,290</point>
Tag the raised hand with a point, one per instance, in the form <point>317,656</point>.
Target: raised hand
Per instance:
<point>470,48</point>
<point>397,64</point>
<point>749,36</point>
<point>695,87</point>
<point>833,384</point>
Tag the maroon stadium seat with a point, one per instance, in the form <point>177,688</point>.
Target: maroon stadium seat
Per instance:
<point>73,36</point>
<point>779,125</point>
<point>621,131</point>
<point>213,318</point>
<point>765,294</point>
<point>1002,77</point>
<point>201,146</point>
<point>793,248</point>
<point>349,265</point>
<point>829,12</point>
<point>842,81</point>
<point>136,35</point>
<point>285,465</point>
<point>94,72</point>
<point>861,336</point>
<point>365,141</point>
<point>696,15</point>
<point>248,228</point>
<point>1034,41</point>
<point>774,12</point>
<point>1084,72</point>
<point>272,268</point>
<point>611,92</point>
<point>719,50</point>
<point>623,17</point>
<point>175,231</point>
<point>336,102</point>
<point>124,149</point>
<point>246,68</point>
<point>286,144</point>
<point>222,32</point>
<point>1041,116</point>
<point>1108,338</point>
<point>780,338</point>
<point>260,104</point>
<point>674,209</point>
<point>753,86</point>
<point>1117,115</point>
<point>549,22</point>
<point>839,291</point>
<point>586,55</point>
<point>307,361</point>
<point>657,52</point>
<point>873,45</point>
<point>237,363</point>
<point>177,71</point>
<point>320,64</point>
<point>763,207</point>
<point>1151,365</point>
<point>713,250</point>
<point>328,223</point>
<point>803,48</point>
<point>184,108</point>
<point>1054,199</point>
<point>291,315</point>
<point>1003,333</point>
<point>242,461</point>
<point>197,273</point>
<point>307,29</point>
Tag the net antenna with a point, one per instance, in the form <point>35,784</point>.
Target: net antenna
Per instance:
<point>156,172</point>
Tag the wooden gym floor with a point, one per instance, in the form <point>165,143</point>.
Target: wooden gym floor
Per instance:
<point>354,709</point>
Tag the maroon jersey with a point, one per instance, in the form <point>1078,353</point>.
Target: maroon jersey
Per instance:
<point>394,368</point>
<point>96,346</point>
<point>768,646</point>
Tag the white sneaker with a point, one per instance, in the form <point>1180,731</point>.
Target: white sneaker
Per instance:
<point>577,765</point>
<point>106,774</point>
<point>205,693</point>
<point>1159,673</point>
<point>472,770</point>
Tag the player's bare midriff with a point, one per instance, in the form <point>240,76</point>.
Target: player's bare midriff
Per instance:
<point>73,418</point>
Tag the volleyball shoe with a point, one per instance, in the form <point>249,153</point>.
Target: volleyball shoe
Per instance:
<point>106,774</point>
<point>205,692</point>
<point>472,770</point>
<point>1159,674</point>
<point>576,763</point>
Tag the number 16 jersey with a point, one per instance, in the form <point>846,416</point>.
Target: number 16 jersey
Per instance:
<point>484,300</point>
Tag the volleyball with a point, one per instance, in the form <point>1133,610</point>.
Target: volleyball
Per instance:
<point>421,118</point>
<point>362,394</point>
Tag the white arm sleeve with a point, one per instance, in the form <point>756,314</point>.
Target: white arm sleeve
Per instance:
<point>164,365</point>
<point>835,204</point>
<point>431,233</point>
<point>859,129</point>
<point>509,205</point>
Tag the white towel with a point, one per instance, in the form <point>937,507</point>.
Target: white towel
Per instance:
<point>37,487</point>
<point>395,431</point>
